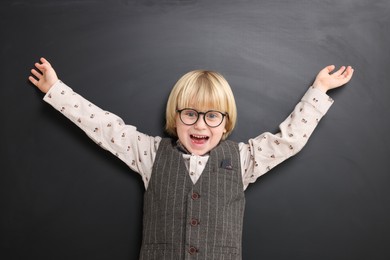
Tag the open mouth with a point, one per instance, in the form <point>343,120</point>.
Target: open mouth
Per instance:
<point>199,139</point>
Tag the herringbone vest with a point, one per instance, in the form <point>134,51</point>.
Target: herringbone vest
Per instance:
<point>201,221</point>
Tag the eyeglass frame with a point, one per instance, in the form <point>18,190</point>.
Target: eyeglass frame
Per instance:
<point>204,116</point>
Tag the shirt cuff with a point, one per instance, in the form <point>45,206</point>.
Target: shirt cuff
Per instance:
<point>58,88</point>
<point>318,99</point>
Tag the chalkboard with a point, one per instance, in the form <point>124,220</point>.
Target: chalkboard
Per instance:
<point>61,197</point>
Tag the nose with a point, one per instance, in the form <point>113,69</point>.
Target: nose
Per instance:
<point>200,124</point>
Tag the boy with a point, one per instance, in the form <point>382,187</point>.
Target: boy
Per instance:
<point>195,181</point>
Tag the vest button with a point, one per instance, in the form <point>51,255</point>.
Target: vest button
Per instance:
<point>195,196</point>
<point>192,250</point>
<point>194,222</point>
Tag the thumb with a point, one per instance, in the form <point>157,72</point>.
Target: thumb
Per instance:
<point>330,68</point>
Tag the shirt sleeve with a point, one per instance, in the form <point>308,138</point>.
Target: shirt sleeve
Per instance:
<point>267,150</point>
<point>136,149</point>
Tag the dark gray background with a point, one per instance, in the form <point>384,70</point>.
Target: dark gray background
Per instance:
<point>61,197</point>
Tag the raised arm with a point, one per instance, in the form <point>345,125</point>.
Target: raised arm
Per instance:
<point>136,149</point>
<point>267,150</point>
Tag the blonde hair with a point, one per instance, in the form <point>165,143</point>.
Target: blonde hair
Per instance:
<point>206,89</point>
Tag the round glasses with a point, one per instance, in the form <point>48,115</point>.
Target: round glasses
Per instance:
<point>190,116</point>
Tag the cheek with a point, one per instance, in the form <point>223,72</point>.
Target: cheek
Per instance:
<point>219,132</point>
<point>181,129</point>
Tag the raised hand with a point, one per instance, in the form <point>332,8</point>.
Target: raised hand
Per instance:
<point>45,77</point>
<point>327,80</point>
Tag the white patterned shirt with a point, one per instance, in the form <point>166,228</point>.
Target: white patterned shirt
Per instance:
<point>138,150</point>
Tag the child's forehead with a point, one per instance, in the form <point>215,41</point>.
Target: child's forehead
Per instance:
<point>200,106</point>
<point>204,108</point>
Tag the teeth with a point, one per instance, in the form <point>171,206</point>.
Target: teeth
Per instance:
<point>200,136</point>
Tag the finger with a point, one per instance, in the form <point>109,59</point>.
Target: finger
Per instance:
<point>42,67</point>
<point>39,66</point>
<point>43,60</point>
<point>347,76</point>
<point>33,80</point>
<point>346,73</point>
<point>36,73</point>
<point>329,68</point>
<point>340,71</point>
<point>349,72</point>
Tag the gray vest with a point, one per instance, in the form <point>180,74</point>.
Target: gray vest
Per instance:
<point>201,221</point>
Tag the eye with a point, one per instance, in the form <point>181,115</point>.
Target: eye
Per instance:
<point>190,113</point>
<point>213,115</point>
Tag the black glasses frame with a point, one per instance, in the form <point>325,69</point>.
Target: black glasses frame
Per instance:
<point>204,116</point>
